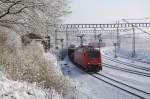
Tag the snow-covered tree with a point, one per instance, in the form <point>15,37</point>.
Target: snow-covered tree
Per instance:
<point>32,16</point>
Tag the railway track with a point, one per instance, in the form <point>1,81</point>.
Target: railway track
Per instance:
<point>127,64</point>
<point>126,70</point>
<point>141,94</point>
<point>122,86</point>
<point>138,61</point>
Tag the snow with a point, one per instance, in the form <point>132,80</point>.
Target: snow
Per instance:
<point>142,58</point>
<point>88,86</point>
<point>130,79</point>
<point>92,87</point>
<point>96,89</point>
<point>134,80</point>
<point>10,89</point>
<point>51,58</point>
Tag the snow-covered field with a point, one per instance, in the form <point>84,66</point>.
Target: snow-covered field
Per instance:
<point>10,89</point>
<point>126,55</point>
<point>138,81</point>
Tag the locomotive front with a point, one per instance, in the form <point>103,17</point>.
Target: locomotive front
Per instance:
<point>94,62</point>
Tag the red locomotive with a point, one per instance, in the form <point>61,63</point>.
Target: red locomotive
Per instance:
<point>88,57</point>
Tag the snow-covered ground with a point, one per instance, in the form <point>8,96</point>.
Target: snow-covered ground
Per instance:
<point>96,89</point>
<point>141,58</point>
<point>10,89</point>
<point>137,81</point>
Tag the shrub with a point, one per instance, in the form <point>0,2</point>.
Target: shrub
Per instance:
<point>28,63</point>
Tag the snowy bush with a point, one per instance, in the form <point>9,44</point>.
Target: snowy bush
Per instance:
<point>10,89</point>
<point>28,63</point>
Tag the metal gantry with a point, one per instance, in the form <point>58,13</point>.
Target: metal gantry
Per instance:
<point>112,25</point>
<point>99,28</point>
<point>117,27</point>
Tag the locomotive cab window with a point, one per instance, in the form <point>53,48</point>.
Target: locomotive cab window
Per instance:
<point>92,52</point>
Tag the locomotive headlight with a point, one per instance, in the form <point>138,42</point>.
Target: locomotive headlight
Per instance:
<point>88,63</point>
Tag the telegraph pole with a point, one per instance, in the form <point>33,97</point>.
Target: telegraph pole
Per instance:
<point>133,38</point>
<point>81,39</point>
<point>118,37</point>
<point>100,40</point>
<point>56,38</point>
<point>133,43</point>
<point>67,37</point>
<point>115,44</point>
<point>95,33</point>
<point>62,47</point>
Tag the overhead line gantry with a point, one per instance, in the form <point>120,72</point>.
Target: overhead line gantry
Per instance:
<point>112,25</point>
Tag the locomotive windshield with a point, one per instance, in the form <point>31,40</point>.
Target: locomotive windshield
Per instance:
<point>94,53</point>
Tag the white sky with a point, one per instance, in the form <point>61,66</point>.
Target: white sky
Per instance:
<point>106,11</point>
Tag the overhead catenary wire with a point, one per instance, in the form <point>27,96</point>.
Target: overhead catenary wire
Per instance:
<point>125,20</point>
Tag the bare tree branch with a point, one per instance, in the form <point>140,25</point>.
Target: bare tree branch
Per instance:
<point>19,11</point>
<point>8,10</point>
<point>38,16</point>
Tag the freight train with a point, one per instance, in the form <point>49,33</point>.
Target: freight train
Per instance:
<point>87,57</point>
